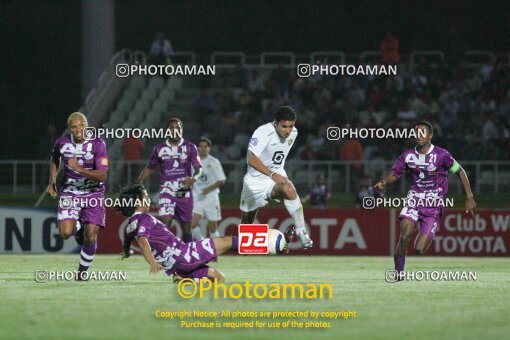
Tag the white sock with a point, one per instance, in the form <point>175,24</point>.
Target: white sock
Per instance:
<point>295,209</point>
<point>197,233</point>
<point>215,234</point>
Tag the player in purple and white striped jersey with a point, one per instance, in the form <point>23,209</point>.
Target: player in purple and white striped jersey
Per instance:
<point>429,166</point>
<point>81,211</point>
<point>180,167</point>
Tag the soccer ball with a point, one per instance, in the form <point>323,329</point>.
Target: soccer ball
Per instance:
<point>276,241</point>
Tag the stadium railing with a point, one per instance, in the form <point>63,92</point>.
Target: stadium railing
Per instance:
<point>31,176</point>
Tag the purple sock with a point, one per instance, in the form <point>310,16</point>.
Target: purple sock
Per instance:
<point>87,256</point>
<point>400,262</point>
<point>235,244</point>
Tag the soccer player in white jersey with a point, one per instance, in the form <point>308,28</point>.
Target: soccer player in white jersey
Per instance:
<point>206,192</point>
<point>266,178</point>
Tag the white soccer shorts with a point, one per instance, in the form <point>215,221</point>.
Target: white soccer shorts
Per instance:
<point>207,206</point>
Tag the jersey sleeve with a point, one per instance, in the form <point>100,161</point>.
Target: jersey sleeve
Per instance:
<point>399,167</point>
<point>101,157</point>
<point>145,226</point>
<point>449,163</point>
<point>258,141</point>
<point>195,159</point>
<point>154,160</point>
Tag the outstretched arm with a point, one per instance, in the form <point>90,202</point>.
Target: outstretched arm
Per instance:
<point>470,202</point>
<point>146,251</point>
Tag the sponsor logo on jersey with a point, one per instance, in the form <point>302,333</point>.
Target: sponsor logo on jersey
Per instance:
<point>254,141</point>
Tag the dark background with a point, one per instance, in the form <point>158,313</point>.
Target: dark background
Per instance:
<point>40,57</point>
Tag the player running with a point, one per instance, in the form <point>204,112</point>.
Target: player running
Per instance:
<point>429,166</point>
<point>161,248</point>
<point>82,189</point>
<point>266,177</point>
<point>206,192</point>
<point>178,161</point>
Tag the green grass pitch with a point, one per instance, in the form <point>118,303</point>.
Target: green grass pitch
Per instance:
<point>126,310</point>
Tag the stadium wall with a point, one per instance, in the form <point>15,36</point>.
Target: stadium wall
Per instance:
<point>335,231</point>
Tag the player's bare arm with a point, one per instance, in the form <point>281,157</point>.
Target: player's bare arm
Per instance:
<point>189,181</point>
<point>146,173</point>
<point>388,180</point>
<point>213,186</point>
<point>470,202</point>
<point>147,254</point>
<point>52,190</point>
<point>96,175</point>
<point>257,164</point>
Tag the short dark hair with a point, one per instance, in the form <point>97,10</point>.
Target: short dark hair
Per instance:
<point>205,139</point>
<point>130,193</point>
<point>427,125</point>
<point>285,113</point>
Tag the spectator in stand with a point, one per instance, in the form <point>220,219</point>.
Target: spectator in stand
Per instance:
<point>256,82</point>
<point>389,49</point>
<point>133,149</point>
<point>318,193</point>
<point>367,190</point>
<point>490,131</point>
<point>161,50</point>
<point>406,116</point>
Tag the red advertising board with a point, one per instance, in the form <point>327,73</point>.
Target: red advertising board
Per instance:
<point>360,232</point>
<point>334,231</point>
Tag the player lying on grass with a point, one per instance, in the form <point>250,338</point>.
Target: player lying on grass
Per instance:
<point>162,249</point>
<point>429,166</point>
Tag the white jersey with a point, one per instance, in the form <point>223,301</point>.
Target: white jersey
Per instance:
<point>270,148</point>
<point>211,173</point>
